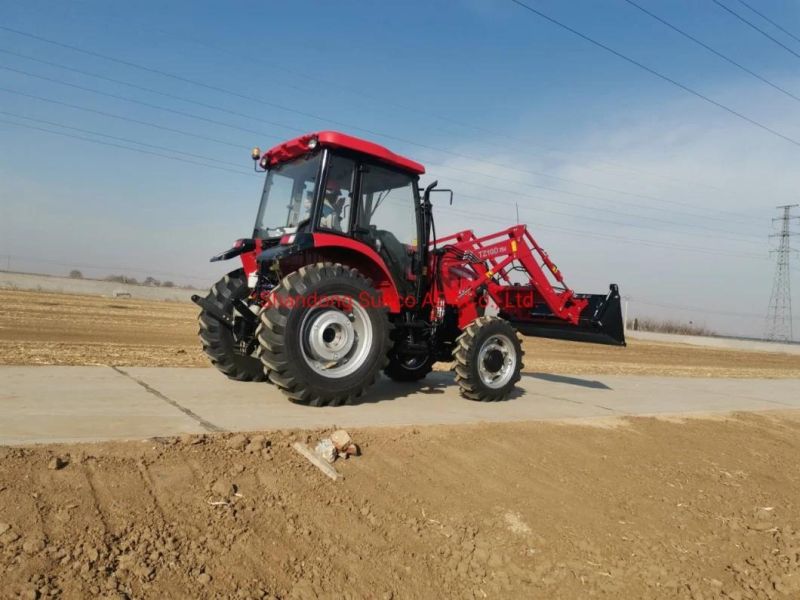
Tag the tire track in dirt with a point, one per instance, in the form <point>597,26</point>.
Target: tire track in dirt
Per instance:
<point>101,514</point>
<point>521,510</point>
<point>141,468</point>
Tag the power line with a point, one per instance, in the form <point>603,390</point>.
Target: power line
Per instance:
<point>657,74</point>
<point>140,87</point>
<point>699,309</point>
<point>494,189</point>
<point>381,101</point>
<point>612,222</point>
<point>715,52</point>
<point>222,109</point>
<point>576,195</point>
<point>121,117</point>
<point>606,236</point>
<point>114,145</point>
<point>315,116</point>
<point>148,104</point>
<point>756,27</point>
<point>360,94</point>
<point>214,160</point>
<point>768,20</point>
<point>294,129</point>
<point>222,123</point>
<point>482,216</point>
<point>120,139</point>
<point>128,140</point>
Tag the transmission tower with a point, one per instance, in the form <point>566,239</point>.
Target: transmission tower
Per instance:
<point>779,314</point>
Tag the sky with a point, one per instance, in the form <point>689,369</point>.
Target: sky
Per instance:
<point>125,131</point>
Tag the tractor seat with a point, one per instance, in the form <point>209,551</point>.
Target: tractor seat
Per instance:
<point>394,251</point>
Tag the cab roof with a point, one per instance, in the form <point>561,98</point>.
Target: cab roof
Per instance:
<point>333,139</point>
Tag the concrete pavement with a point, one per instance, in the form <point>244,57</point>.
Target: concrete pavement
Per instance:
<point>68,404</point>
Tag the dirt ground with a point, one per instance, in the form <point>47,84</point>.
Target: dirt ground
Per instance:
<point>637,509</point>
<point>59,329</point>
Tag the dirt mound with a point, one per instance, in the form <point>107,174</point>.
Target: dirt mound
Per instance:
<point>701,509</point>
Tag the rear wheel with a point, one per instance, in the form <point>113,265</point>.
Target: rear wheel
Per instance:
<point>411,368</point>
<point>488,359</point>
<point>231,350</point>
<point>324,335</point>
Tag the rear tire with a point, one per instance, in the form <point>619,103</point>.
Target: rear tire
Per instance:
<point>219,343</point>
<point>488,359</point>
<point>324,336</point>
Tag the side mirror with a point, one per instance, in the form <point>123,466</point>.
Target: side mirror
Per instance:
<point>431,190</point>
<point>446,192</point>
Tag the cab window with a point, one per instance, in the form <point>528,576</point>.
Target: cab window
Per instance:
<point>387,205</point>
<point>337,198</point>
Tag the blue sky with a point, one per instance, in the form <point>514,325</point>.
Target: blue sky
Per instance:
<point>621,176</point>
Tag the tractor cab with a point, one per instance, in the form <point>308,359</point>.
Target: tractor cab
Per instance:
<point>329,183</point>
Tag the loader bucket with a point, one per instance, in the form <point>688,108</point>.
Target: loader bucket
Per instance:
<point>600,322</point>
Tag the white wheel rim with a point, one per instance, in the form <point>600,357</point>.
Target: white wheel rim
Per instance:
<point>497,361</point>
<point>336,336</point>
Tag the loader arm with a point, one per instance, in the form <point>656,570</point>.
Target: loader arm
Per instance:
<point>471,268</point>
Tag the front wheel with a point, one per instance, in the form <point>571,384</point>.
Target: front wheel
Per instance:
<point>324,335</point>
<point>488,359</point>
<point>232,350</point>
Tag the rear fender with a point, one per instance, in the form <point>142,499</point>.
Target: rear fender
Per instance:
<point>298,250</point>
<point>350,252</point>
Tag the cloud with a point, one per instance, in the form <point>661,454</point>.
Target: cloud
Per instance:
<point>691,179</point>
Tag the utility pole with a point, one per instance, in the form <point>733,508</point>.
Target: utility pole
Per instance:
<point>779,315</point>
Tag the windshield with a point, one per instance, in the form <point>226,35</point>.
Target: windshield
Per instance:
<point>288,197</point>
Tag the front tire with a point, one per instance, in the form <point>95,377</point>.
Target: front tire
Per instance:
<point>226,352</point>
<point>488,359</point>
<point>324,335</point>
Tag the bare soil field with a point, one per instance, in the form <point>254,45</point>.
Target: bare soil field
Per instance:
<point>60,329</point>
<point>641,508</point>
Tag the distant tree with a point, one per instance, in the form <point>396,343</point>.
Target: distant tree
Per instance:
<point>152,281</point>
<point>122,279</point>
<point>168,284</point>
<point>75,274</point>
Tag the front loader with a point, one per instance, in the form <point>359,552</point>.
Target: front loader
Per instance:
<point>344,278</point>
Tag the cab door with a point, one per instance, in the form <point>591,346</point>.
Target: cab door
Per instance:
<point>386,219</point>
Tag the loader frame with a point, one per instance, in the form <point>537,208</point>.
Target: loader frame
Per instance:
<point>537,307</point>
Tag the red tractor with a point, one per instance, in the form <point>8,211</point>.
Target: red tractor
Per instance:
<point>344,277</point>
